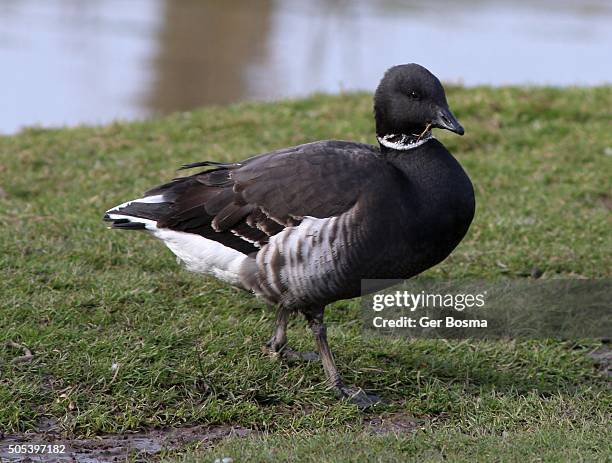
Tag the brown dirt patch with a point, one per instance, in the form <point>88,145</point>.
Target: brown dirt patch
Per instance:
<point>117,447</point>
<point>397,423</point>
<point>603,359</point>
<point>114,447</point>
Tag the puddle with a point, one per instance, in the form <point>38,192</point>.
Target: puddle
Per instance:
<point>114,447</point>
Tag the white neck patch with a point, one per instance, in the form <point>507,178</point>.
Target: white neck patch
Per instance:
<point>403,142</point>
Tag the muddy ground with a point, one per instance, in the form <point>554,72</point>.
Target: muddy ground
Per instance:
<point>116,447</point>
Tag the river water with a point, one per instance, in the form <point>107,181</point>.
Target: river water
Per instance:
<point>68,62</point>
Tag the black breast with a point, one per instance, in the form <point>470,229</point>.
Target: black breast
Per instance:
<point>430,211</point>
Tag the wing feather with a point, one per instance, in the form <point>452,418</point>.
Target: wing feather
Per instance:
<point>243,204</point>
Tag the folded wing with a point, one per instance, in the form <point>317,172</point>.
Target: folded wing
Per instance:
<point>242,205</point>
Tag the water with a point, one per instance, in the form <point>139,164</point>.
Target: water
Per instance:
<point>68,62</point>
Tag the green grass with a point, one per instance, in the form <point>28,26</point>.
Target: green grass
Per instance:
<point>83,298</point>
<point>546,443</point>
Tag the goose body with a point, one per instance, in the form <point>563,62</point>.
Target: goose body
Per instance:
<point>302,226</point>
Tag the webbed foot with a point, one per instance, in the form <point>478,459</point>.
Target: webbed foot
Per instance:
<point>359,397</point>
<point>287,353</point>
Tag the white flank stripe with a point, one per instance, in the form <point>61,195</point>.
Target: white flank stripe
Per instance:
<point>202,255</point>
<point>313,262</point>
<point>199,254</point>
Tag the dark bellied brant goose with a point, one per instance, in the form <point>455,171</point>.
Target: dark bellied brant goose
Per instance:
<point>302,226</point>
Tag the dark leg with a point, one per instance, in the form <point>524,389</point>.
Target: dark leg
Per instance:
<point>277,345</point>
<point>279,340</point>
<point>356,395</point>
<point>315,321</point>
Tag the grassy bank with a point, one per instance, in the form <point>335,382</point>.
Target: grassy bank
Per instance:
<point>123,339</point>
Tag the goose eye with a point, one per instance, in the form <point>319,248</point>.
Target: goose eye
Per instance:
<point>414,95</point>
